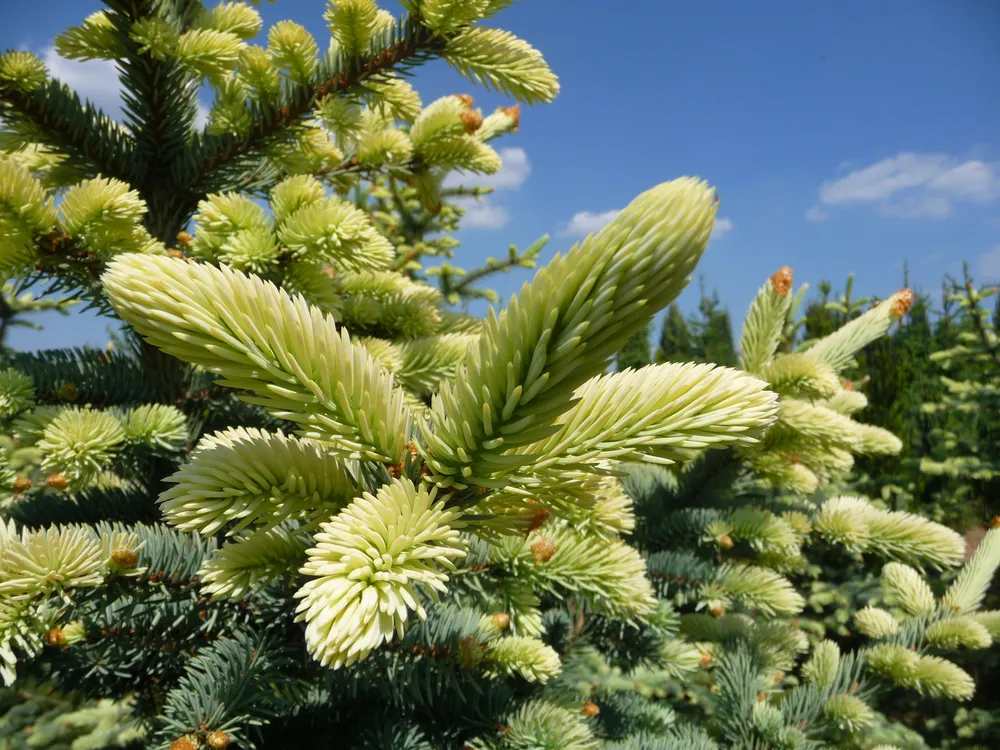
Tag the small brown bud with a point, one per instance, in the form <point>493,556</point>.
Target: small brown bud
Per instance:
<point>781,281</point>
<point>995,522</point>
<point>22,484</point>
<point>123,557</point>
<point>183,743</point>
<point>901,305</point>
<point>540,516</point>
<point>67,392</point>
<point>466,99</point>
<point>185,239</point>
<point>590,709</point>
<point>847,385</point>
<point>472,120</point>
<point>794,459</point>
<point>57,481</point>
<point>514,113</point>
<point>726,541</point>
<point>500,620</point>
<point>471,652</point>
<point>706,659</point>
<point>717,610</point>
<point>175,253</point>
<point>761,697</point>
<point>55,637</point>
<point>543,549</point>
<point>779,676</point>
<point>217,740</point>
<point>414,451</point>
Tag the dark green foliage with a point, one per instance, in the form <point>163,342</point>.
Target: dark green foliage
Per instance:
<point>55,115</point>
<point>713,333</point>
<point>89,506</point>
<point>704,337</point>
<point>227,687</point>
<point>635,353</point>
<point>675,337</point>
<point>623,714</point>
<point>681,738</point>
<point>86,376</point>
<point>630,646</point>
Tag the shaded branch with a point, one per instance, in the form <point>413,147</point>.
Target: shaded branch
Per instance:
<point>54,116</point>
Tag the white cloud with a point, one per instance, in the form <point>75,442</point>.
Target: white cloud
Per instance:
<point>816,213</point>
<point>917,207</point>
<point>911,185</point>
<point>486,213</point>
<point>485,216</point>
<point>585,222</point>
<point>512,174</point>
<point>722,227</point>
<point>989,265</point>
<point>96,80</point>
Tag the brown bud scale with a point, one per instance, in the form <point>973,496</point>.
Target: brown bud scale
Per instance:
<point>540,516</point>
<point>217,740</point>
<point>57,481</point>
<point>472,120</point>
<point>543,549</point>
<point>500,620</point>
<point>781,281</point>
<point>123,557</point>
<point>514,113</point>
<point>55,637</point>
<point>901,304</point>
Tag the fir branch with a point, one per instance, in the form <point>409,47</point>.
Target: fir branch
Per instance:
<point>217,163</point>
<point>55,116</point>
<point>160,100</point>
<point>514,259</point>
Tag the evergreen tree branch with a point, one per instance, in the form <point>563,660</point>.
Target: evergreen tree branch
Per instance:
<point>160,100</point>
<point>218,163</point>
<point>54,116</point>
<point>515,259</point>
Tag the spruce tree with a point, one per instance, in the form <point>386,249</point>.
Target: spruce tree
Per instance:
<point>966,426</point>
<point>308,501</point>
<point>713,331</point>
<point>675,338</point>
<point>636,351</point>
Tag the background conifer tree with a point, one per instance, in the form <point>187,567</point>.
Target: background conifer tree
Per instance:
<point>636,352</point>
<point>675,343</point>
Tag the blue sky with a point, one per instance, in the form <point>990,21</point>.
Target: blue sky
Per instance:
<point>843,136</point>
